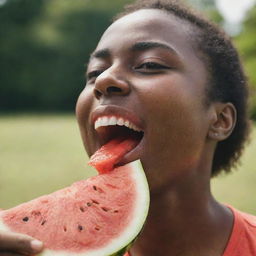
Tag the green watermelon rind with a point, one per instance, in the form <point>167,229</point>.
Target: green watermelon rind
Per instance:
<point>122,243</point>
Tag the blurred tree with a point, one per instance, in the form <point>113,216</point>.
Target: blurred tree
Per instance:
<point>209,8</point>
<point>15,46</point>
<point>43,48</point>
<point>203,4</point>
<point>246,43</point>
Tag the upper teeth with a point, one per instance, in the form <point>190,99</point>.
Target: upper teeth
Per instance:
<point>106,121</point>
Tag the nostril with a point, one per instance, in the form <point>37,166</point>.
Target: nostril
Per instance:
<point>113,89</point>
<point>97,94</point>
<point>109,90</point>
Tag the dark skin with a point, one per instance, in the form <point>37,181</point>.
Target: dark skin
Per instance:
<point>145,64</point>
<point>146,67</point>
<point>13,244</point>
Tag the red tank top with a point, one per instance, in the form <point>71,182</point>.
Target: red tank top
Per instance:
<point>242,241</point>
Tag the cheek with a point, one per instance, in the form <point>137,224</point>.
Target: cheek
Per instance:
<point>83,108</point>
<point>177,118</point>
<point>173,101</point>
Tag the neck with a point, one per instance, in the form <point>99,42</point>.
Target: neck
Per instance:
<point>184,219</point>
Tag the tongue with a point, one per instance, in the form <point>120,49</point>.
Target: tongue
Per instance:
<point>110,154</point>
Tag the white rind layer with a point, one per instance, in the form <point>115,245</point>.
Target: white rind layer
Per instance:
<point>140,210</point>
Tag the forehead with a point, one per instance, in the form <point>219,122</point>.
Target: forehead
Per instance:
<point>149,25</point>
<point>152,25</point>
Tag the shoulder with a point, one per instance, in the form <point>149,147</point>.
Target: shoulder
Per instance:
<point>248,219</point>
<point>245,223</point>
<point>242,240</point>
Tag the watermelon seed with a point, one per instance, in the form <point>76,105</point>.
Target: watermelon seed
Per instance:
<point>100,190</point>
<point>82,209</point>
<point>25,219</point>
<point>80,228</point>
<point>43,222</point>
<point>111,186</point>
<point>97,228</point>
<point>94,201</point>
<point>36,213</point>
<point>89,204</point>
<point>116,211</point>
<point>105,209</point>
<point>65,229</point>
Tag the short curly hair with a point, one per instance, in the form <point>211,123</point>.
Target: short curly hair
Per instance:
<point>227,81</point>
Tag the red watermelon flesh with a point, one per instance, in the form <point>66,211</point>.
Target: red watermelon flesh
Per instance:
<point>111,153</point>
<point>97,207</point>
<point>94,217</point>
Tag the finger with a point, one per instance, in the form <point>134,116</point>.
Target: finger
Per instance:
<point>18,243</point>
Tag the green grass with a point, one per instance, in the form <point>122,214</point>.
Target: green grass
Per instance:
<point>42,153</point>
<point>38,155</point>
<point>239,187</point>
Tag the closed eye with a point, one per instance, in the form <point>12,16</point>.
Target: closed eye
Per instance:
<point>93,74</point>
<point>151,66</point>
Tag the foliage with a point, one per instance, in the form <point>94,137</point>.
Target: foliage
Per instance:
<point>208,7</point>
<point>246,43</point>
<point>44,46</point>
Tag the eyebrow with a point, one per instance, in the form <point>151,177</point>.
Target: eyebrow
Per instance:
<point>143,46</point>
<point>101,54</point>
<point>139,46</point>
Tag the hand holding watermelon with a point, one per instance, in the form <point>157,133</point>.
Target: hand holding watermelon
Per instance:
<point>100,216</point>
<point>17,244</point>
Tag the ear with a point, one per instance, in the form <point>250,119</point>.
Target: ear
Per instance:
<point>223,121</point>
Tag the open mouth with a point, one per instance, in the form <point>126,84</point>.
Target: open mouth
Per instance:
<point>120,137</point>
<point>110,127</point>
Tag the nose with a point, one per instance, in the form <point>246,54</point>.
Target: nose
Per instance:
<point>111,83</point>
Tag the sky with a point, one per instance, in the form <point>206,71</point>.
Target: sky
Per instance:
<point>234,10</point>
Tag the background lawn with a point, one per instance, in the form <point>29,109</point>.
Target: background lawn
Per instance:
<point>42,153</point>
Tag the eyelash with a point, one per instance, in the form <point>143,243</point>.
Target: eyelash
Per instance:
<point>143,67</point>
<point>151,66</point>
<point>94,74</point>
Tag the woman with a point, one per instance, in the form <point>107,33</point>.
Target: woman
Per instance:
<point>180,80</point>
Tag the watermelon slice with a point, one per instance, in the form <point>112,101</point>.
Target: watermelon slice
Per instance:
<point>108,155</point>
<point>100,216</point>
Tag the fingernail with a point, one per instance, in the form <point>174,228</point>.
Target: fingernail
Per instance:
<point>36,245</point>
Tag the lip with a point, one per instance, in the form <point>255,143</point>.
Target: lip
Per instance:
<point>134,154</point>
<point>113,110</point>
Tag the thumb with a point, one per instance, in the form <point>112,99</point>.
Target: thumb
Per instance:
<point>19,243</point>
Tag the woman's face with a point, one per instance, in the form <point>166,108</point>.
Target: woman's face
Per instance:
<point>145,70</point>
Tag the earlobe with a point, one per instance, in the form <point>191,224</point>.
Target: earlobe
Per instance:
<point>223,121</point>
